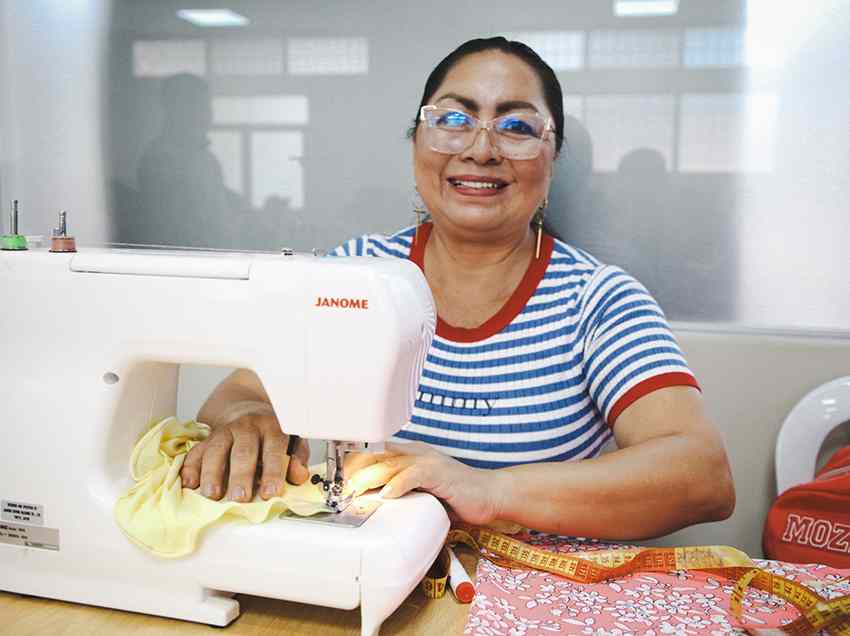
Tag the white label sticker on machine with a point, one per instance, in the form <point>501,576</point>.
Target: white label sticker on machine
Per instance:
<point>29,536</point>
<point>20,512</point>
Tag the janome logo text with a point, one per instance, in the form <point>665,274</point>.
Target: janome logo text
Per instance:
<point>342,303</point>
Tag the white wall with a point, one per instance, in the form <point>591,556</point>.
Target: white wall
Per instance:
<point>751,379</point>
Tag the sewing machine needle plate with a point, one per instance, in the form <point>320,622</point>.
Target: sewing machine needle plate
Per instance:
<point>354,515</point>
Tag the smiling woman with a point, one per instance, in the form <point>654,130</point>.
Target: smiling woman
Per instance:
<point>541,354</point>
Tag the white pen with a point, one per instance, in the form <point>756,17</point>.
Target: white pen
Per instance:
<point>462,587</point>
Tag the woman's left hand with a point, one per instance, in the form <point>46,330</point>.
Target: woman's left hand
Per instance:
<point>473,494</point>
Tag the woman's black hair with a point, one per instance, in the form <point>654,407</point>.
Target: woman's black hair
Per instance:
<point>552,93</point>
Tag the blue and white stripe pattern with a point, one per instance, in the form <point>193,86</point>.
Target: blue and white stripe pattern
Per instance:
<point>590,341</point>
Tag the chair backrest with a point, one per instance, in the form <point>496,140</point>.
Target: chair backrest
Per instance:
<point>805,429</point>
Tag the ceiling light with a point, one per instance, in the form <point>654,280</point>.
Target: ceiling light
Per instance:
<point>623,8</point>
<point>212,17</point>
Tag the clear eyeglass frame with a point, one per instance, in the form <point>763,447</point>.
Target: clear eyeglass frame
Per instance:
<point>508,145</point>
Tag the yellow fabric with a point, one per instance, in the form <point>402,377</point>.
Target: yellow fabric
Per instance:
<point>161,516</point>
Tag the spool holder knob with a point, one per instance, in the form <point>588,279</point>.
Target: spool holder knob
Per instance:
<point>60,242</point>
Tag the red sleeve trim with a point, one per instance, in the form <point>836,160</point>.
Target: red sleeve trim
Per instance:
<point>648,386</point>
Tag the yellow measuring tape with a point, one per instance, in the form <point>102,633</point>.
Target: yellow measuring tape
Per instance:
<point>816,612</point>
<point>435,581</point>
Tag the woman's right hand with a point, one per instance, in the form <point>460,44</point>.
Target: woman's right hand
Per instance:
<point>237,452</point>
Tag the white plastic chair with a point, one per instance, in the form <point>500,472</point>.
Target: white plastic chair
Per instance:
<point>805,429</point>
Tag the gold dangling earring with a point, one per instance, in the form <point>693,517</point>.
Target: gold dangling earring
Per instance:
<point>538,217</point>
<point>419,209</point>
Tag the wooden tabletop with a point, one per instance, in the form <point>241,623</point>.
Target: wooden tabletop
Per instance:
<point>30,616</point>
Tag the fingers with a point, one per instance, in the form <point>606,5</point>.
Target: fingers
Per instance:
<point>356,461</point>
<point>370,470</point>
<point>243,462</point>
<point>235,449</point>
<point>297,472</point>
<point>379,473</point>
<point>190,473</point>
<point>406,480</point>
<point>275,462</point>
<point>214,463</point>
<point>299,463</point>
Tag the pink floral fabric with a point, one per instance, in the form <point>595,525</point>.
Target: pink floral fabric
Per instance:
<point>526,602</point>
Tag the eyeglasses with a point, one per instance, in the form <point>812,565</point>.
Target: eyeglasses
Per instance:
<point>514,136</point>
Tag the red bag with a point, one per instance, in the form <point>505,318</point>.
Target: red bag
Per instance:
<point>810,523</point>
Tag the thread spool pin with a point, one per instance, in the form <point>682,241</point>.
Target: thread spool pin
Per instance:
<point>60,242</point>
<point>13,242</point>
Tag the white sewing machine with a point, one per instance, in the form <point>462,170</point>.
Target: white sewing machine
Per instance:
<point>91,344</point>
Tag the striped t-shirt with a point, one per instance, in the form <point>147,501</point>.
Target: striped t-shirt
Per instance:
<point>545,378</point>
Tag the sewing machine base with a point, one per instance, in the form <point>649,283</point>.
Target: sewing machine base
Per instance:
<point>374,566</point>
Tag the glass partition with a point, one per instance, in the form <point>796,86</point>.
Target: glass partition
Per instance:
<point>706,148</point>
